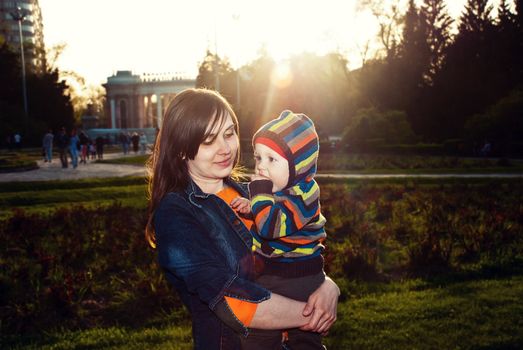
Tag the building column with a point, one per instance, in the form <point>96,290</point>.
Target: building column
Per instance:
<point>148,112</point>
<point>113,114</point>
<point>140,111</point>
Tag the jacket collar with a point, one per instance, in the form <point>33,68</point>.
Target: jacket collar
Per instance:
<point>193,189</point>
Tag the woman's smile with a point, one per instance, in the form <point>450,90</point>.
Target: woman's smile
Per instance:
<point>225,163</point>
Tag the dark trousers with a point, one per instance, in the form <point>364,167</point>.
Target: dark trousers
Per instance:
<point>299,288</point>
<point>63,156</point>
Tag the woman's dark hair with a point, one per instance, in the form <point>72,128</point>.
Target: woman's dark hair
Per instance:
<point>184,128</point>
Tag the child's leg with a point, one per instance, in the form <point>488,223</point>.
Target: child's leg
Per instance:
<point>260,339</point>
<point>303,340</point>
<point>298,288</point>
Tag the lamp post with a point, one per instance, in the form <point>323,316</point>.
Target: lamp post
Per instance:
<point>19,15</point>
<point>216,63</point>
<point>236,19</point>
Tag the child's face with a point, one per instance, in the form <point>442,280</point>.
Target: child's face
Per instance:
<point>271,165</point>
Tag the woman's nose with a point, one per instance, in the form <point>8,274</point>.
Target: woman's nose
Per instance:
<point>224,146</point>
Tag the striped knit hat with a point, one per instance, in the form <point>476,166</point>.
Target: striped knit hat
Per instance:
<point>294,137</point>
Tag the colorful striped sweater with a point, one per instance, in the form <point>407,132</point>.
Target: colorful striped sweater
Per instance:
<point>289,224</point>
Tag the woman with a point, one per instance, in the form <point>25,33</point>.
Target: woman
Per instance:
<point>204,247</point>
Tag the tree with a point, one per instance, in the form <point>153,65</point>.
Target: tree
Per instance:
<point>212,71</point>
<point>466,82</point>
<point>389,21</point>
<point>48,102</point>
<point>501,124</point>
<point>438,37</point>
<point>370,128</point>
<point>476,17</point>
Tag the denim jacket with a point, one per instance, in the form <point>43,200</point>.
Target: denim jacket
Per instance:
<point>205,252</point>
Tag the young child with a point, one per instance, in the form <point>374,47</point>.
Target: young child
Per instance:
<point>289,227</point>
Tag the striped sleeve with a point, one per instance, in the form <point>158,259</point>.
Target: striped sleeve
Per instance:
<point>281,214</point>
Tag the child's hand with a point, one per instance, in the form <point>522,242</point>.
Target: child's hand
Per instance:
<point>241,205</point>
<point>258,177</point>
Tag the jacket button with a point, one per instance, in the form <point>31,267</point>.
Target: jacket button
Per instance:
<point>236,222</point>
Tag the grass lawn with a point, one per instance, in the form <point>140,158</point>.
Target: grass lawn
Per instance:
<point>479,308</point>
<point>475,314</point>
<point>46,196</point>
<point>366,164</point>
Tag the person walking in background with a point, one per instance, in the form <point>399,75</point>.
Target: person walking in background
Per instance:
<point>100,141</point>
<point>143,142</point>
<point>84,147</point>
<point>125,141</point>
<point>135,139</point>
<point>92,150</point>
<point>74,146</point>
<point>18,141</point>
<point>47,144</point>
<point>62,142</point>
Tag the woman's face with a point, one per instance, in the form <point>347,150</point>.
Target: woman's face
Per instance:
<point>216,155</point>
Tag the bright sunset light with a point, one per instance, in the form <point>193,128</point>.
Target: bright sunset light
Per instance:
<point>172,36</point>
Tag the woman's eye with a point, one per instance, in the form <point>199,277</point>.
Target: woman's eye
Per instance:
<point>208,142</point>
<point>229,134</point>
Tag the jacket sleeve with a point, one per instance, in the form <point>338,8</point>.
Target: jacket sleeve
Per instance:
<point>188,250</point>
<point>283,213</point>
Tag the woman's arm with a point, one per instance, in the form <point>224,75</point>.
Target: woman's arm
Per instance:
<point>318,315</point>
<point>279,312</point>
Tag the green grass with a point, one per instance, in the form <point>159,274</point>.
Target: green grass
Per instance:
<point>476,309</point>
<point>478,314</point>
<point>46,196</point>
<point>170,337</point>
<point>16,161</point>
<point>415,314</point>
<point>365,164</point>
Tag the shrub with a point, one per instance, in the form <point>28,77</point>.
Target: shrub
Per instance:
<point>78,267</point>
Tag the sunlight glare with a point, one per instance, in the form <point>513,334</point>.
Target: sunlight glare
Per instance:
<point>281,76</point>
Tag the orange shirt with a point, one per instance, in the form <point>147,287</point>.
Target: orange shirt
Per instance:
<point>243,310</point>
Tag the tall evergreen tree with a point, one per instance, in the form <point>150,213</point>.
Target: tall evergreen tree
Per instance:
<point>414,61</point>
<point>476,17</point>
<point>49,104</point>
<point>438,25</point>
<point>465,84</point>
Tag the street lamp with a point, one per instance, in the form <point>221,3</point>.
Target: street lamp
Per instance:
<point>216,63</point>
<point>19,15</point>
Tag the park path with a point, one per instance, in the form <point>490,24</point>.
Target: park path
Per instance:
<point>53,171</point>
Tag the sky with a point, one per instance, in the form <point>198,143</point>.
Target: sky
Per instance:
<point>172,36</point>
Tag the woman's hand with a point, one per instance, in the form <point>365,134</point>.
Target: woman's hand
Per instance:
<point>322,306</point>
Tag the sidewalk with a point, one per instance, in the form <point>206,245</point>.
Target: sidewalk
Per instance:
<point>54,171</point>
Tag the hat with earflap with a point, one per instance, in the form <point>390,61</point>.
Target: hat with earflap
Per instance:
<point>294,137</point>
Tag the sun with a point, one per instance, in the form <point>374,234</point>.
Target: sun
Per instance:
<point>281,76</point>
<point>286,28</point>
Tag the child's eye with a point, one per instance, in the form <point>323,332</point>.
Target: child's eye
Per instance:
<point>257,158</point>
<point>271,159</point>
